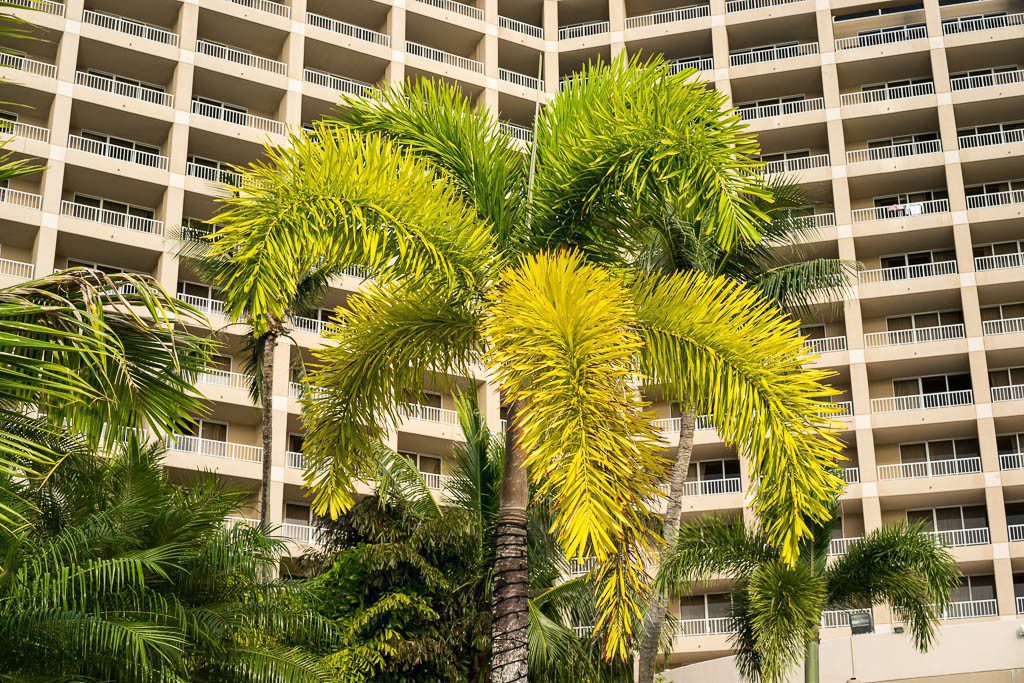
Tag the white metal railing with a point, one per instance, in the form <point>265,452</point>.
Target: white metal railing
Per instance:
<point>1016,533</point>
<point>744,5</point>
<point>130,27</point>
<point>296,389</point>
<point>917,271</point>
<point>348,86</point>
<point>230,54</point>
<point>698,63</point>
<point>346,29</point>
<point>957,538</point>
<point>856,156</point>
<point>782,109</point>
<point>930,468</point>
<point>895,35</point>
<point>980,201</point>
<point>457,7</point>
<point>216,449</point>
<point>839,618</point>
<point>435,55</point>
<point>940,399</point>
<point>1012,392</point>
<point>516,132</point>
<point>268,6</point>
<point>520,27</point>
<point>29,200</point>
<point>214,111</point>
<point>712,487</point>
<point>47,6</point>
<point>1003,326</point>
<point>999,261</point>
<point>303,533</point>
<point>224,378</point>
<point>1011,461</point>
<point>294,460</point>
<point>24,130</point>
<point>207,305</point>
<point>1003,137</point>
<point>673,425</point>
<point>838,546</point>
<point>986,80</point>
<point>815,220</point>
<point>135,92</point>
<point>435,481</point>
<point>589,28</point>
<point>582,631</point>
<point>970,24</point>
<point>881,213</point>
<point>30,66</point>
<point>796,164</point>
<point>212,174</point>
<point>314,325</point>
<point>851,475</point>
<point>243,521</point>
<point>416,411</point>
<point>970,609</point>
<point>107,217</point>
<point>826,345</point>
<point>896,93</point>
<point>105,149</point>
<point>916,335</point>
<point>516,78</point>
<point>845,409</point>
<point>706,627</point>
<point>581,567</point>
<point>771,54</point>
<point>1020,605</point>
<point>668,16</point>
<point>17,269</point>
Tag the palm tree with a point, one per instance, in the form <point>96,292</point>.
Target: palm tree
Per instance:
<point>120,574</point>
<point>777,267</point>
<point>476,257</point>
<point>777,607</point>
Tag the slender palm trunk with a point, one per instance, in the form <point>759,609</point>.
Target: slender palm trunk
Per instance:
<point>812,669</point>
<point>269,344</point>
<point>509,601</point>
<point>647,655</point>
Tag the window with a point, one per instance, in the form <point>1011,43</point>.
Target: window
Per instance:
<point>889,86</point>
<point>1015,513</point>
<point>932,451</point>
<point>1010,444</point>
<point>213,170</point>
<point>935,384</point>
<point>296,513</point>
<point>426,464</point>
<point>114,207</point>
<point>879,12</point>
<point>713,470</point>
<point>994,133</point>
<point>914,264</point>
<point>977,587</point>
<point>208,429</point>
<point>430,399</point>
<point>295,442</point>
<point>813,331</point>
<point>902,140</point>
<point>999,249</point>
<point>198,290</point>
<point>773,106</point>
<point>151,92</point>
<point>977,78</point>
<point>917,321</point>
<point>121,148</point>
<point>955,518</point>
<point>710,606</point>
<point>1014,311</point>
<point>1006,377</point>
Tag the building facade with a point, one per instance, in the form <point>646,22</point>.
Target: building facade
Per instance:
<point>903,122</point>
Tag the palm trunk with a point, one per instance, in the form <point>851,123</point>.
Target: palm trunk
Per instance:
<point>654,619</point>
<point>509,601</point>
<point>812,669</point>
<point>269,346</point>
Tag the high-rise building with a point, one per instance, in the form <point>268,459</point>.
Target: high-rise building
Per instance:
<point>902,121</point>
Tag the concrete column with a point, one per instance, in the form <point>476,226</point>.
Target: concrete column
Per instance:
<point>395,27</point>
<point>1005,599</point>
<point>44,251</point>
<point>617,25</point>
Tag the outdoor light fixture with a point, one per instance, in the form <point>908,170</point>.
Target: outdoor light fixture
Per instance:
<point>861,623</point>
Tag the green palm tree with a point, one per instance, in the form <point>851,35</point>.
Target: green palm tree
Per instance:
<point>778,267</point>
<point>120,574</point>
<point>777,607</point>
<point>475,256</point>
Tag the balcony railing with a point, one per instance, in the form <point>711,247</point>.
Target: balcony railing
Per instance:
<point>416,411</point>
<point>856,156</point>
<point>581,567</point>
<point>1011,461</point>
<point>230,54</point>
<point>214,111</point>
<point>826,345</point>
<point>895,93</point>
<point>47,6</point>
<point>303,533</point>
<point>706,627</point>
<point>212,174</point>
<point>435,55</point>
<point>29,200</point>
<point>838,618</point>
<point>457,7</point>
<point>130,27</point>
<point>999,261</point>
<point>1003,326</point>
<point>699,63</point>
<point>772,54</point>
<point>986,80</point>
<point>223,378</point>
<point>346,29</point>
<point>207,305</point>
<point>18,269</point>
<point>348,86</point>
<point>522,80</point>
<point>838,546</point>
<point>673,425</point>
<point>29,66</point>
<point>24,130</point>
<point>980,201</point>
<point>941,399</point>
<point>814,220</point>
<point>896,35</point>
<point>105,149</point>
<point>434,481</point>
<point>668,16</point>
<point>267,6</point>
<point>969,25</point>
<point>798,164</point>
<point>839,409</point>
<point>744,5</point>
<point>215,449</point>
<point>881,213</point>
<point>520,27</point>
<point>851,475</point>
<point>970,609</point>
<point>314,325</point>
<point>782,109</point>
<point>590,28</point>
<point>1016,533</point>
<point>712,487</point>
<point>958,538</point>
<point>521,133</point>
<point>930,468</point>
<point>917,335</point>
<point>915,272</point>
<point>294,460</point>
<point>135,92</point>
<point>1012,392</point>
<point>117,218</point>
<point>1003,137</point>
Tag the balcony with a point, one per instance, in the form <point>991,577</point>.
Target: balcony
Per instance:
<point>669,16</point>
<point>838,409</point>
<point>825,345</point>
<point>980,201</point>
<point>942,399</point>
<point>130,27</point>
<point>302,533</point>
<point>771,54</point>
<point>28,200</point>
<point>435,482</point>
<point>236,56</point>
<point>122,220</point>
<point>782,109</point>
<point>914,272</point>
<point>24,130</point>
<point>207,305</point>
<point>930,468</point>
<point>858,156</point>
<point>520,27</point>
<point>294,460</point>
<point>1003,137</point>
<point>45,6</point>
<point>416,411</point>
<point>589,28</point>
<point>130,90</point>
<point>839,618</point>
<point>213,111</point>
<point>223,378</point>
<point>917,335</point>
<point>581,567</point>
<point>970,609</point>
<point>1016,533</point>
<point>705,63</point>
<point>214,449</point>
<point>887,36</point>
<point>522,80</point>
<point>960,538</point>
<point>346,29</point>
<point>744,5</point>
<point>838,546</point>
<point>1003,326</point>
<point>313,325</point>
<point>16,269</point>
<point>972,24</point>
<point>330,81</point>
<point>1011,392</point>
<point>443,57</point>
<point>457,7</point>
<point>797,164</point>
<point>712,487</point>
<point>268,6</point>
<point>887,93</point>
<point>986,80</point>
<point>851,475</point>
<point>673,425</point>
<point>999,261</point>
<point>814,220</point>
<point>213,174</point>
<point>711,626</point>
<point>26,65</point>
<point>521,133</point>
<point>1011,461</point>
<point>105,149</point>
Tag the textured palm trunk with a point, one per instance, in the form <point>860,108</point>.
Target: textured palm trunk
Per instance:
<point>654,619</point>
<point>812,668</point>
<point>509,598</point>
<point>269,344</point>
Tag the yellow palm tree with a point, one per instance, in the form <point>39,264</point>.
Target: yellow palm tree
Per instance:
<point>476,257</point>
